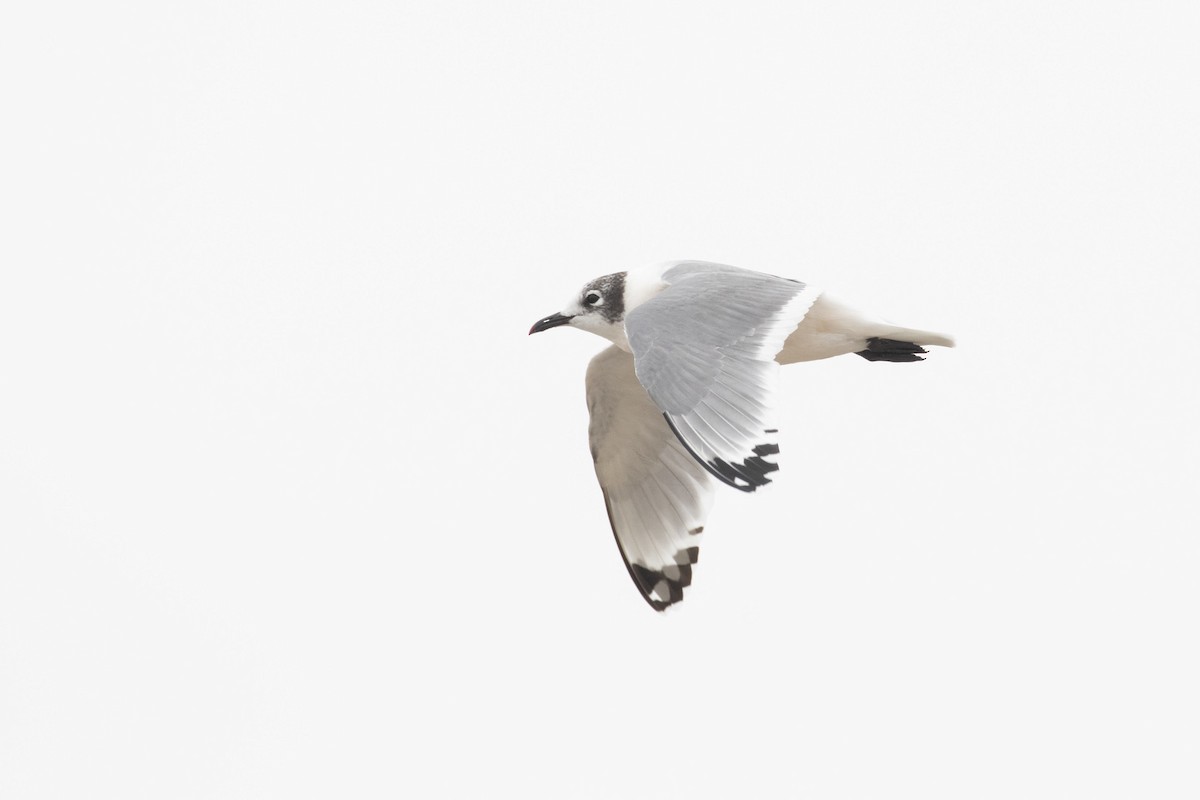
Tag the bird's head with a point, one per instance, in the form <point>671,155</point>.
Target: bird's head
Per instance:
<point>599,308</point>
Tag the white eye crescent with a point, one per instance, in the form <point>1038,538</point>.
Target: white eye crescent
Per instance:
<point>593,298</point>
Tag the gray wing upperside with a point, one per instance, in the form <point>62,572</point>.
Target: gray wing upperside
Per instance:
<point>704,349</point>
<point>656,494</point>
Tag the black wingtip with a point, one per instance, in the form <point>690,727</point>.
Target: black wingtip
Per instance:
<point>663,588</point>
<point>648,580</point>
<point>752,473</point>
<point>746,476</point>
<point>891,350</point>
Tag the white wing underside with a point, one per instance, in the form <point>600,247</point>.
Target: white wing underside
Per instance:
<point>656,493</point>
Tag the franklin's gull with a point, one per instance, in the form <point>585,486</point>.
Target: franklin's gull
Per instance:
<point>686,394</point>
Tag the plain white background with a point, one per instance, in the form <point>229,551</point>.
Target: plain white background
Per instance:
<point>291,506</point>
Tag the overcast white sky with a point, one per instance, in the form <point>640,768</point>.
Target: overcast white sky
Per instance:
<point>291,506</point>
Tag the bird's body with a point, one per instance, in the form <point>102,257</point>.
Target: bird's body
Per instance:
<point>685,394</point>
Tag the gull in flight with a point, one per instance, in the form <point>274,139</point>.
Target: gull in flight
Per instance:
<point>685,396</point>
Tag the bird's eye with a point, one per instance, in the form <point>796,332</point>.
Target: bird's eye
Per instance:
<point>591,298</point>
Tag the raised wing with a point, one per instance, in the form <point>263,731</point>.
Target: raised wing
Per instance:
<point>657,495</point>
<point>704,349</point>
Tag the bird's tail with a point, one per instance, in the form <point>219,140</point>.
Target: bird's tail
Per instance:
<point>832,328</point>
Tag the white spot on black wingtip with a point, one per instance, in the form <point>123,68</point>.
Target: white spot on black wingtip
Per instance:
<point>745,476</point>
<point>663,588</point>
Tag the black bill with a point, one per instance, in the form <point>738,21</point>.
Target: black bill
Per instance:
<point>552,321</point>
